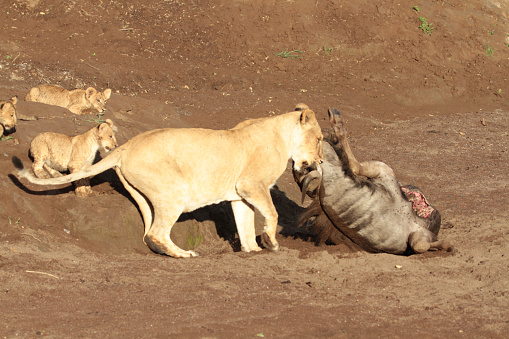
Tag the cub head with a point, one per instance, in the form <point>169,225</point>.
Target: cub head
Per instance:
<point>8,114</point>
<point>97,99</point>
<point>307,143</point>
<point>106,135</point>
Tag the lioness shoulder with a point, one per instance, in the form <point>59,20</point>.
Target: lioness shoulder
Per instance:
<point>78,101</point>
<point>54,152</point>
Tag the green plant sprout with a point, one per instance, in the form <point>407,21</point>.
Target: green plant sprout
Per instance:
<point>289,54</point>
<point>492,31</point>
<point>328,50</point>
<point>12,221</point>
<point>489,50</point>
<point>192,241</point>
<point>426,26</point>
<point>415,8</point>
<point>97,120</point>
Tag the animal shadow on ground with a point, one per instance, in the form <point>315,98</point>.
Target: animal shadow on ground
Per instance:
<point>221,215</point>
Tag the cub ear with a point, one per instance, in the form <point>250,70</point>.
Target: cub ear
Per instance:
<point>90,92</point>
<point>307,117</point>
<point>113,127</point>
<point>107,93</point>
<point>14,100</point>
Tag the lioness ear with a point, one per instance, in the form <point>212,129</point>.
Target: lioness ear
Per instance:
<point>307,117</point>
<point>90,92</point>
<point>14,100</point>
<point>301,107</point>
<point>107,93</point>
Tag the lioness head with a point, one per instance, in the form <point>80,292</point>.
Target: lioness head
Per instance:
<point>97,99</point>
<point>8,114</point>
<point>106,135</point>
<point>307,145</point>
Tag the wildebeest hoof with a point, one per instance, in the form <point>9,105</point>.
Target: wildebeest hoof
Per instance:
<point>268,244</point>
<point>421,247</point>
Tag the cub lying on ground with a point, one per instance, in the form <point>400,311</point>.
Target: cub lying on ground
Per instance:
<point>78,101</point>
<point>54,153</point>
<point>9,116</point>
<point>172,171</point>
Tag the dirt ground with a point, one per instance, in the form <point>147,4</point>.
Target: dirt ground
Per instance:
<point>431,101</point>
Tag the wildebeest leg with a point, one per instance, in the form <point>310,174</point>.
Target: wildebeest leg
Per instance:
<point>244,218</point>
<point>166,214</point>
<point>143,205</point>
<point>419,241</point>
<point>259,197</point>
<point>423,240</point>
<point>369,169</point>
<point>441,245</point>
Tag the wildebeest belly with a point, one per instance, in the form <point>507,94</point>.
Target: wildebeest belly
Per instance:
<point>376,217</point>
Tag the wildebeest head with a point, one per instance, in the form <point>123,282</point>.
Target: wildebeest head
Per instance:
<point>309,179</point>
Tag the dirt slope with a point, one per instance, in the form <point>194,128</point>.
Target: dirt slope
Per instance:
<point>433,106</point>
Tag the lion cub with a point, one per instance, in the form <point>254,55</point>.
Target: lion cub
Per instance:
<point>78,101</point>
<point>9,116</point>
<point>54,152</point>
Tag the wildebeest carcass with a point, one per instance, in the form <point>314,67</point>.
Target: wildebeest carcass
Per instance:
<point>365,202</point>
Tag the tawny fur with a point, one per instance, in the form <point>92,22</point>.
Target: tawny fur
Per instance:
<point>54,152</point>
<point>78,101</point>
<point>9,115</point>
<point>171,171</point>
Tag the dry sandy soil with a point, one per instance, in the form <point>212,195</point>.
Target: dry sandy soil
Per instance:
<point>433,106</point>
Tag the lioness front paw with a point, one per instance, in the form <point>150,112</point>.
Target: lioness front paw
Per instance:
<point>268,243</point>
<point>185,254</point>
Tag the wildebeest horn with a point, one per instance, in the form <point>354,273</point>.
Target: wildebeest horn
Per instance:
<point>313,177</point>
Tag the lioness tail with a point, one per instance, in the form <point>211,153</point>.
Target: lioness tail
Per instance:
<point>108,162</point>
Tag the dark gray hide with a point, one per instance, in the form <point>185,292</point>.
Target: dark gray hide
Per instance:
<point>374,213</point>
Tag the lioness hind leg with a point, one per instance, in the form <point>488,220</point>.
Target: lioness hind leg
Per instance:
<point>158,236</point>
<point>244,218</point>
<point>143,205</point>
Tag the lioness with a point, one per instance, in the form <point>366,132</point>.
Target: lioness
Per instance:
<point>171,171</point>
<point>9,116</point>
<point>54,152</point>
<point>78,101</point>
